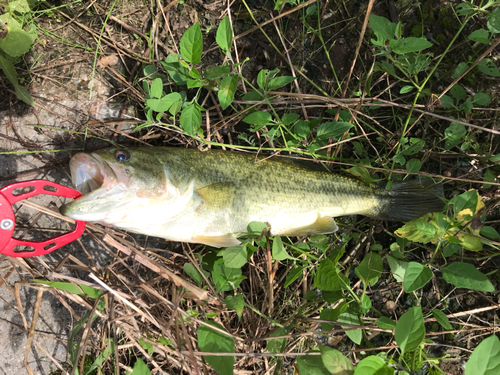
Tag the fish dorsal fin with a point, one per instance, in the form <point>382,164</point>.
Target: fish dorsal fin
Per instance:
<point>322,225</point>
<point>217,195</point>
<point>225,240</point>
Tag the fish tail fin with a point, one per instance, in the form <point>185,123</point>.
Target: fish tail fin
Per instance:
<point>411,199</point>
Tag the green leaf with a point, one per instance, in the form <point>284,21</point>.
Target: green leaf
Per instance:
<point>494,21</point>
<point>140,368</point>
<point>256,228</point>
<point>190,119</point>
<point>332,315</point>
<point>416,276</point>
<point>163,104</point>
<point>480,35</point>
<point>235,256</point>
<point>413,165</point>
<point>226,92</point>
<point>289,118</point>
<point>279,252</point>
<point>236,303</point>
<point>350,316</point>
<point>156,89</point>
<point>399,158</point>
<point>312,365</point>
<point>488,67</point>
<point>405,89</point>
<point>277,345</point>
<point>212,341</point>
<point>279,82</point>
<point>485,359</point>
<point>458,92</point>
<point>415,145</point>
<point>292,275</point>
<point>146,345</point>
<point>327,277</point>
<point>454,135</point>
<point>176,69</point>
<point>333,129</point>
<point>16,42</point>
<point>193,272</point>
<point>410,330</point>
<point>224,36</point>
<point>373,365</point>
<point>411,44</point>
<point>462,67</point>
<point>9,70</point>
<point>382,27</point>
<point>398,267</point>
<point>366,304</point>
<point>386,323</point>
<point>481,98</point>
<point>23,94</point>
<point>464,9</point>
<point>490,232</point>
<point>192,44</point>
<point>370,267</point>
<point>442,319</point>
<point>465,275</point>
<point>79,289</point>
<point>217,72</point>
<point>225,278</point>
<point>258,118</point>
<point>362,173</point>
<point>335,362</point>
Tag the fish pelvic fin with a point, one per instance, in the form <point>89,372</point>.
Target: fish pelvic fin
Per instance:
<point>322,225</point>
<point>225,240</point>
<point>217,195</point>
<point>411,199</point>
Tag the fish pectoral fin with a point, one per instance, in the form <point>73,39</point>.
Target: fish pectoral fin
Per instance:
<point>225,240</point>
<point>217,195</point>
<point>322,225</point>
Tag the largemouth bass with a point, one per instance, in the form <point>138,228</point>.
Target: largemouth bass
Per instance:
<point>210,197</point>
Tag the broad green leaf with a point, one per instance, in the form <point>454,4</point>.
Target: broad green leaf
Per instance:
<point>349,316</point>
<point>488,67</point>
<point>442,319</point>
<point>410,330</point>
<point>366,304</point>
<point>235,256</point>
<point>292,275</point>
<point>488,176</point>
<point>192,44</point>
<point>362,173</point>
<point>332,315</point>
<point>454,135</point>
<point>279,82</point>
<point>490,232</point>
<point>406,89</point>
<point>415,145</point>
<point>386,323</point>
<point>236,303</point>
<point>373,365</point>
<point>146,345</point>
<point>411,44</point>
<point>382,27</point>
<point>277,345</point>
<point>279,252</point>
<point>165,103</point>
<point>302,129</point>
<point>465,275</point>
<point>217,72</point>
<point>193,272</point>
<point>157,89</point>
<point>398,267</point>
<point>225,278</point>
<point>258,118</point>
<point>458,92</point>
<point>16,42</point>
<point>413,165</point>
<point>289,118</point>
<point>416,276</point>
<point>176,69</point>
<point>333,129</point>
<point>9,70</point>
<point>467,203</point>
<point>23,94</point>
<point>256,228</point>
<point>224,36</point>
<point>335,361</point>
<point>370,267</point>
<point>261,78</point>
<point>212,341</point>
<point>327,277</point>
<point>480,35</point>
<point>494,21</point>
<point>464,9</point>
<point>481,98</point>
<point>226,92</point>
<point>190,119</point>
<point>485,359</point>
<point>79,289</point>
<point>140,368</point>
<point>312,365</point>
<point>462,67</point>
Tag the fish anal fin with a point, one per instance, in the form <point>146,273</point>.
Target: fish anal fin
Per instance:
<point>217,195</point>
<point>322,225</point>
<point>225,240</point>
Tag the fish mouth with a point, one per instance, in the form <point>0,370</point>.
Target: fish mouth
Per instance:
<point>90,173</point>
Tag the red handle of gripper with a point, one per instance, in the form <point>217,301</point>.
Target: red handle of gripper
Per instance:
<point>8,219</point>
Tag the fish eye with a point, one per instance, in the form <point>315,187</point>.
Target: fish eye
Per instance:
<point>122,155</point>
